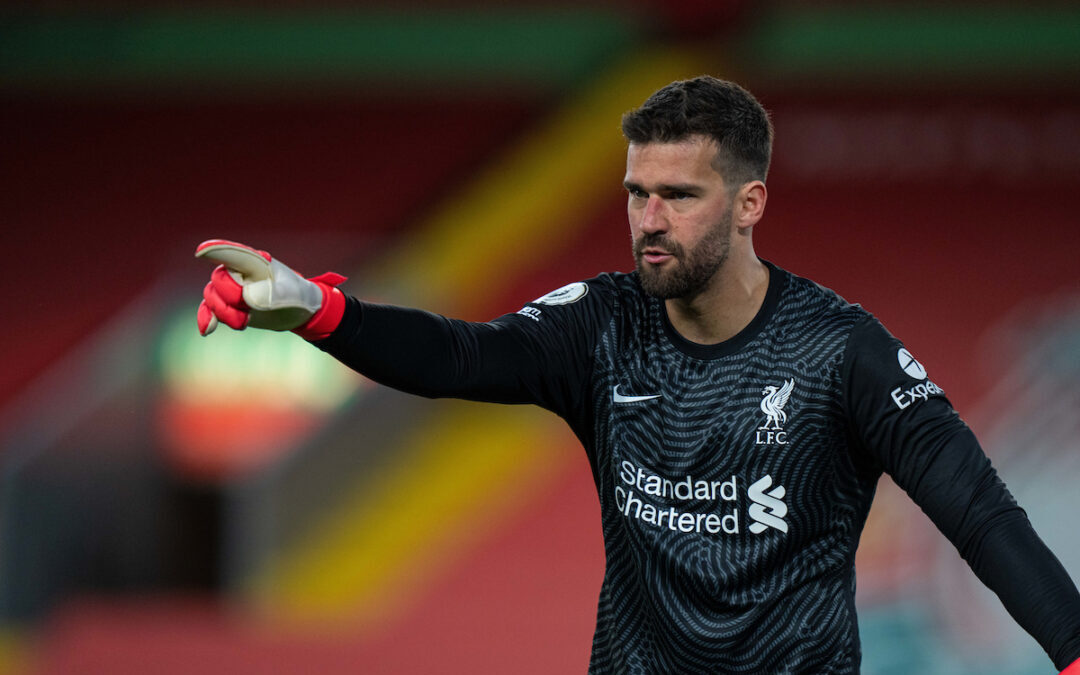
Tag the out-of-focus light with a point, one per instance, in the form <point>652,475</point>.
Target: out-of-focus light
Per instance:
<point>234,400</point>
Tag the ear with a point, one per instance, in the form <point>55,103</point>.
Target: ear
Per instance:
<point>749,204</point>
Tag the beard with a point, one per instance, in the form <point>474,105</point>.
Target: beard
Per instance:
<point>690,271</point>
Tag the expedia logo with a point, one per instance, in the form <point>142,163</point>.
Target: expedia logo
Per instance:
<point>909,365</point>
<point>905,396</point>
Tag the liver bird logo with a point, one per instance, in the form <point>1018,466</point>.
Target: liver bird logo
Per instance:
<point>773,404</point>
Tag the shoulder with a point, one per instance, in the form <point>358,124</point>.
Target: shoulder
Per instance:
<point>602,290</point>
<point>577,290</point>
<point>816,307</point>
<point>580,305</point>
<point>807,291</point>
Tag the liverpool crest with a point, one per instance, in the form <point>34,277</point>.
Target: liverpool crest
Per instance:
<point>772,404</point>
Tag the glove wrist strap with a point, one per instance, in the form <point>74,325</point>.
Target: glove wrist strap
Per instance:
<point>323,322</point>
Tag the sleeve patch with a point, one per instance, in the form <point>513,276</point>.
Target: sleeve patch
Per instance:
<point>566,295</point>
<point>910,366</point>
<point>905,396</point>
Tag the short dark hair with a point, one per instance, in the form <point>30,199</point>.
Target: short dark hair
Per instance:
<point>717,109</point>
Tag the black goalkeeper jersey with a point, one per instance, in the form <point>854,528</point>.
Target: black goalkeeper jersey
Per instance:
<point>734,479</point>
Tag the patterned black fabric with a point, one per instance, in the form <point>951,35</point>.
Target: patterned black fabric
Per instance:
<point>734,479</point>
<point>726,592</point>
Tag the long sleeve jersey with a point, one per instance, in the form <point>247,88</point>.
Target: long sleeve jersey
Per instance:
<point>734,479</point>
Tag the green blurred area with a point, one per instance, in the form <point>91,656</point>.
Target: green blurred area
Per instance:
<point>530,46</point>
<point>295,46</point>
<point>924,39</point>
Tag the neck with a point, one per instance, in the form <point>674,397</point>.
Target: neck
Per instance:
<point>726,306</point>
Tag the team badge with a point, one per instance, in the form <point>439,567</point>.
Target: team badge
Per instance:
<point>772,404</point>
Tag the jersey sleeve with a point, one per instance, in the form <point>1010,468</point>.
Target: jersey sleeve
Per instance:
<point>902,423</point>
<point>540,354</point>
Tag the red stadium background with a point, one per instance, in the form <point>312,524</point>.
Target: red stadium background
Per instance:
<point>156,522</point>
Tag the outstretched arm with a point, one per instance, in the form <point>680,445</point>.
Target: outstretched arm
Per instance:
<point>906,426</point>
<point>531,357</point>
<point>431,355</point>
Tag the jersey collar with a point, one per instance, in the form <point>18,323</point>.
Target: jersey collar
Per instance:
<point>777,280</point>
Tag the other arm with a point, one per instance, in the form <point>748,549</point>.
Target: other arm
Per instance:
<point>904,423</point>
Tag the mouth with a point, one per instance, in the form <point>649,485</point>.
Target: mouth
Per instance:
<point>656,256</point>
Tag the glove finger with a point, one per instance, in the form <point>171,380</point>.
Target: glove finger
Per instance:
<point>230,315</point>
<point>205,319</point>
<point>249,262</point>
<point>227,287</point>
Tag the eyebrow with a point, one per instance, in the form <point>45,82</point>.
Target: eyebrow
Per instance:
<point>665,187</point>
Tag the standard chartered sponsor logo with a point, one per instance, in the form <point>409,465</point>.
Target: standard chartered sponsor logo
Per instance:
<point>767,510</point>
<point>638,490</point>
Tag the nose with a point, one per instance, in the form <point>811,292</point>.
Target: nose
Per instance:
<point>652,216</point>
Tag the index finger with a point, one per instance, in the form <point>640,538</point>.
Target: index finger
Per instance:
<point>250,263</point>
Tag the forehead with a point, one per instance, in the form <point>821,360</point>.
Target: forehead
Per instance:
<point>688,160</point>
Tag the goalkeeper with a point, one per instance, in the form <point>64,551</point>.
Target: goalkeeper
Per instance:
<point>736,416</point>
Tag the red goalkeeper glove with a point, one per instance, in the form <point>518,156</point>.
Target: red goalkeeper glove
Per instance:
<point>1073,669</point>
<point>251,288</point>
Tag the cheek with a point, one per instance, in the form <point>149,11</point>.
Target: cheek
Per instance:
<point>633,217</point>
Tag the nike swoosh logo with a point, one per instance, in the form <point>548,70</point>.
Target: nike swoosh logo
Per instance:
<point>620,398</point>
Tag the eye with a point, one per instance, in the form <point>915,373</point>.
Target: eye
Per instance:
<point>680,196</point>
<point>638,193</point>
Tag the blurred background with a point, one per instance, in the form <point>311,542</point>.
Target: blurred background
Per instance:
<point>242,504</point>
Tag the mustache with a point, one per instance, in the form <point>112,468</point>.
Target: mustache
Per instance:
<point>656,240</point>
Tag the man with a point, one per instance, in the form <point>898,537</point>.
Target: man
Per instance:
<point>736,417</point>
